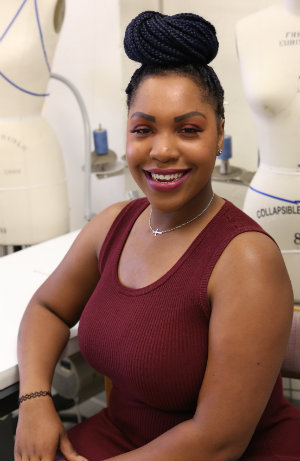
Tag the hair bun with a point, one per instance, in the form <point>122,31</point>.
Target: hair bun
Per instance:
<point>155,38</point>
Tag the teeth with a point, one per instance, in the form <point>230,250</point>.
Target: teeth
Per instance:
<point>166,177</point>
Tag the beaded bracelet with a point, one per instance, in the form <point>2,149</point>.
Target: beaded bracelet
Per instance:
<point>33,395</point>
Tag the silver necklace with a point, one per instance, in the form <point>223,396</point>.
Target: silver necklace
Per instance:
<point>158,232</point>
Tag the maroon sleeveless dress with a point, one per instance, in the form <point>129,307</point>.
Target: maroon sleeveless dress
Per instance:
<point>153,342</point>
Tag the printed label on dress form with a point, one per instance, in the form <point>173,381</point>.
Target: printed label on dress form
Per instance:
<point>13,140</point>
<point>290,39</point>
<point>278,210</point>
<point>297,238</point>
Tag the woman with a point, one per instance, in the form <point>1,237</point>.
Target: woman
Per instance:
<point>174,291</point>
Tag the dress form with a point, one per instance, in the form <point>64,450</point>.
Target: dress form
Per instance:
<point>268,44</point>
<point>33,191</point>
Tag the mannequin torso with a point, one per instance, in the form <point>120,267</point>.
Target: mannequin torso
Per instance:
<point>270,68</point>
<point>33,193</point>
<point>268,43</point>
<point>29,36</point>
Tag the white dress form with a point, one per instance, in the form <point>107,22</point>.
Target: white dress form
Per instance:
<point>268,45</point>
<point>33,192</point>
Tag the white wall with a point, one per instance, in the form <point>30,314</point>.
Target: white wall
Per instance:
<point>90,54</point>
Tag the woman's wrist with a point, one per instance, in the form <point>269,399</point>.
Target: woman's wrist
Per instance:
<point>33,395</point>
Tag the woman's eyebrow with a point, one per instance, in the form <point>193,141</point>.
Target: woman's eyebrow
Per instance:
<point>189,114</point>
<point>151,118</point>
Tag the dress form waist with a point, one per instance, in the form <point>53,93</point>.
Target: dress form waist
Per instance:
<point>278,137</point>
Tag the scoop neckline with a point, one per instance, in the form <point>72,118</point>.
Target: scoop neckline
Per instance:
<point>129,291</point>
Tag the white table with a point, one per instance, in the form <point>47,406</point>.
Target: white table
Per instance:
<point>21,273</point>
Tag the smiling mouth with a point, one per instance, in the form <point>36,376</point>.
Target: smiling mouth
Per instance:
<point>165,178</point>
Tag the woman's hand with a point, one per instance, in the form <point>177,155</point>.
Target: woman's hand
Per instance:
<point>40,433</point>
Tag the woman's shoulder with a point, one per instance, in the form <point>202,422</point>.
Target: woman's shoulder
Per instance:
<point>253,263</point>
<point>231,221</point>
<point>254,246</point>
<point>109,214</point>
<point>98,228</point>
<point>106,218</point>
<point>247,242</point>
<point>251,258</point>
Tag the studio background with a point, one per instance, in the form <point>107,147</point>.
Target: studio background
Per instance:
<point>90,54</point>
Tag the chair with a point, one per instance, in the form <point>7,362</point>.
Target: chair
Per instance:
<point>108,387</point>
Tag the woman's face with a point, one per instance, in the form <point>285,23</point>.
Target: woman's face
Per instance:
<point>172,141</point>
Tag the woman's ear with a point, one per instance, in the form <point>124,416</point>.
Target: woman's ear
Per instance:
<point>221,134</point>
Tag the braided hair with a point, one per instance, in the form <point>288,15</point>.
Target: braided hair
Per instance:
<point>183,44</point>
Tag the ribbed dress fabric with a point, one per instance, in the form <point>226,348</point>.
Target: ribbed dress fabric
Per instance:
<point>153,343</point>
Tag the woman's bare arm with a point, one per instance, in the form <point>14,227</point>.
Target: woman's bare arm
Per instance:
<point>44,330</point>
<point>57,304</point>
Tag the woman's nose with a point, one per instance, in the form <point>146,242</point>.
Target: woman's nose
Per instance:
<point>164,149</point>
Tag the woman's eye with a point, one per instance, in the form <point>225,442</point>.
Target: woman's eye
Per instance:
<point>189,130</point>
<point>141,131</point>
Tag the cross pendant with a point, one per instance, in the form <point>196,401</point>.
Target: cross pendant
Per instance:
<point>157,232</point>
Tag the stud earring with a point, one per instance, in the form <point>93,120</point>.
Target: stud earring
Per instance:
<point>219,151</point>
